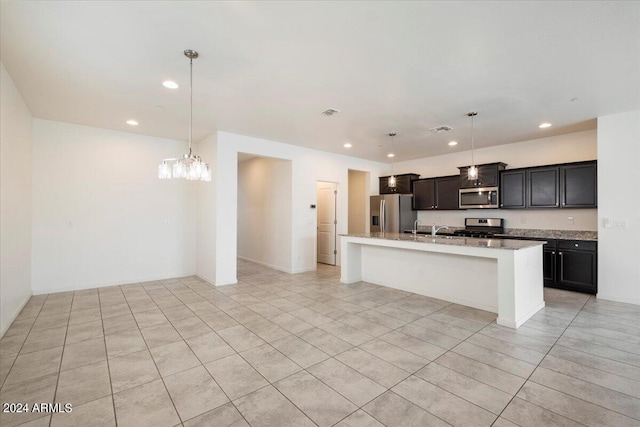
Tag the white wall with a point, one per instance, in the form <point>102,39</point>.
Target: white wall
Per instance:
<point>358,202</point>
<point>618,178</point>
<point>15,201</point>
<point>264,212</point>
<point>206,215</point>
<point>101,216</point>
<point>308,166</point>
<point>567,148</point>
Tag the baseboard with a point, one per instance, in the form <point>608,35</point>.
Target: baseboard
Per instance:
<point>225,282</point>
<point>206,279</point>
<point>616,298</point>
<point>7,325</point>
<point>114,283</point>
<point>266,264</point>
<point>303,270</point>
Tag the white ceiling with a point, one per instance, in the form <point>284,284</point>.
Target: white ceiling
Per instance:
<point>268,69</point>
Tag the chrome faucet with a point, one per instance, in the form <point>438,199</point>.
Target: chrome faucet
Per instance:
<point>415,227</point>
<point>436,228</point>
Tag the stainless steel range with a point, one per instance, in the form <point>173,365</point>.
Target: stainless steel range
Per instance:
<point>481,227</point>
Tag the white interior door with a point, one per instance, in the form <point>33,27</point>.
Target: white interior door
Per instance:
<point>327,222</point>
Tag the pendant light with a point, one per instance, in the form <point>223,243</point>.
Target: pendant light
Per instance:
<point>472,171</point>
<point>392,182</point>
<point>189,166</point>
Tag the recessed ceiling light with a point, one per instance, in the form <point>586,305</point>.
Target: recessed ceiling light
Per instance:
<point>170,84</point>
<point>391,155</point>
<point>132,122</point>
<point>544,125</point>
<point>347,145</point>
<point>452,143</point>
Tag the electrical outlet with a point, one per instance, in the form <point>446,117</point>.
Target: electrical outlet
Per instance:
<point>69,225</point>
<point>421,273</point>
<point>523,219</point>
<point>606,223</point>
<point>570,220</point>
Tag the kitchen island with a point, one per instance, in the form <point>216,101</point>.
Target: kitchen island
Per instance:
<point>500,276</point>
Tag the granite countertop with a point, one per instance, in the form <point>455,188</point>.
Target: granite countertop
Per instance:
<point>525,232</point>
<point>551,234</point>
<point>452,240</point>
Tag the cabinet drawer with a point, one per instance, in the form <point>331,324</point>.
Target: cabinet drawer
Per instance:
<point>579,245</point>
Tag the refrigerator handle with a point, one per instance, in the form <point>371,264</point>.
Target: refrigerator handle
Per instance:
<point>382,215</point>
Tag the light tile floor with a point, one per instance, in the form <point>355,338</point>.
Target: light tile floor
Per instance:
<point>304,350</point>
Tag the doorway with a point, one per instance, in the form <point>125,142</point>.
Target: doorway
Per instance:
<point>327,194</point>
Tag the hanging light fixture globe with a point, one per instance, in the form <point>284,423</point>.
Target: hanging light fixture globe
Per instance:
<point>189,166</point>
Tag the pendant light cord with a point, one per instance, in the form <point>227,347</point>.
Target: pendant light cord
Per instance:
<point>473,163</point>
<point>190,102</point>
<point>393,151</point>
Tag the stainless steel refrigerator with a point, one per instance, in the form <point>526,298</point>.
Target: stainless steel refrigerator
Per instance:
<point>391,213</point>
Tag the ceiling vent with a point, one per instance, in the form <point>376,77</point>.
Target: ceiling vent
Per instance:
<point>443,128</point>
<point>330,111</point>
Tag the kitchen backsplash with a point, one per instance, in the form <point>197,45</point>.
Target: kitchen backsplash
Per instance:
<point>544,219</point>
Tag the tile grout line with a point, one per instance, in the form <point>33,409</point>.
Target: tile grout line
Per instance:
<point>106,354</point>
<point>575,397</point>
<point>538,365</point>
<point>289,287</point>
<point>25,340</point>
<point>55,393</point>
<point>154,362</point>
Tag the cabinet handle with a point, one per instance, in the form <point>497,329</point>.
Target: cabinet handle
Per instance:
<point>437,208</point>
<point>561,266</point>
<point>501,204</point>
<point>576,245</point>
<point>553,252</point>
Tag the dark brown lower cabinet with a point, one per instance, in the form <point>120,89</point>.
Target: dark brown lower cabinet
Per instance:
<point>571,265</point>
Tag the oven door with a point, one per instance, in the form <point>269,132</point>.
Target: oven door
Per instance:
<point>478,198</point>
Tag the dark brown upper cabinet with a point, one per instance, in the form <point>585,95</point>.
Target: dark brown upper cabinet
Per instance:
<point>403,184</point>
<point>488,175</point>
<point>436,193</point>
<point>543,189</point>
<point>570,185</point>
<point>513,193</point>
<point>578,185</point>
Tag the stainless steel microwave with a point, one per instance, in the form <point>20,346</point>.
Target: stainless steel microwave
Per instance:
<point>478,198</point>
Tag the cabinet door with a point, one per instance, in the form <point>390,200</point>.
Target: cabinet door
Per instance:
<point>447,192</point>
<point>424,194</point>
<point>543,187</point>
<point>384,186</point>
<point>578,186</point>
<point>512,189</point>
<point>549,266</point>
<point>403,184</point>
<point>577,270</point>
<point>485,174</point>
<point>488,176</point>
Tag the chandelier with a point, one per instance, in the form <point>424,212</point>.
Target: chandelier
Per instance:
<point>189,166</point>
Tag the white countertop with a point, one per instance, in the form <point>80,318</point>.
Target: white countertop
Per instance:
<point>506,244</point>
